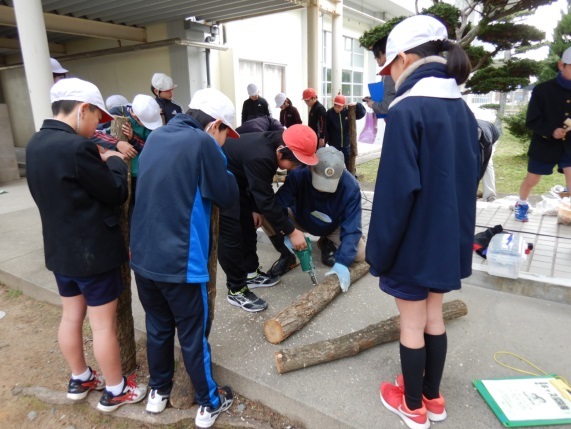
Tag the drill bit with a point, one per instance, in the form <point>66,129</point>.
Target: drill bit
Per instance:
<point>313,277</point>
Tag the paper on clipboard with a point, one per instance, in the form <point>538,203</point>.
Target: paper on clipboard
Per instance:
<point>526,401</point>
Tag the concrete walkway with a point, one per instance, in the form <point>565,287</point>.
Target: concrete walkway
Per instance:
<point>344,394</point>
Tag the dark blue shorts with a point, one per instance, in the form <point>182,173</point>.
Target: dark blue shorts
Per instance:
<point>97,290</point>
<point>406,291</point>
<point>546,168</point>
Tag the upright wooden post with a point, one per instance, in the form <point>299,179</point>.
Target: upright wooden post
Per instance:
<point>125,322</point>
<point>352,139</point>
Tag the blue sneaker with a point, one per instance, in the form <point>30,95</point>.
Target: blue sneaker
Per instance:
<point>520,211</point>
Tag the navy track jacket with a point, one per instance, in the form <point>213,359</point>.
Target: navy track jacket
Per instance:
<point>424,211</point>
<point>182,172</point>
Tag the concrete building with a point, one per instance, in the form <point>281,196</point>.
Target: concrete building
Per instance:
<point>281,45</point>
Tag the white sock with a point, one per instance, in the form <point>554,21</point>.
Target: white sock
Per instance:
<point>522,202</point>
<point>84,376</point>
<point>116,390</point>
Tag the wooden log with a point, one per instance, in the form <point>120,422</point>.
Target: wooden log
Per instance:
<point>182,394</point>
<point>117,127</point>
<point>353,140</point>
<point>301,311</point>
<point>354,343</point>
<point>125,322</point>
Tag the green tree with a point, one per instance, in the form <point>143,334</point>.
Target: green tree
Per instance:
<point>499,26</point>
<point>561,41</point>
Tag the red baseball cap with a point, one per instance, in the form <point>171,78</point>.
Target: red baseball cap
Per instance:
<point>340,100</point>
<point>309,93</point>
<point>302,141</point>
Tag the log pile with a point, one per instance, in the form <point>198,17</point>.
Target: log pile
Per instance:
<point>351,344</point>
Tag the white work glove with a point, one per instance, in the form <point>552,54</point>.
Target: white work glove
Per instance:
<point>342,273</point>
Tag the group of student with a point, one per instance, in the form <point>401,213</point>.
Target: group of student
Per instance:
<point>78,196</point>
<point>331,126</point>
<point>424,197</point>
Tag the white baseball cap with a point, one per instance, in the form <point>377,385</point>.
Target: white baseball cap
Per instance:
<point>74,89</point>
<point>214,103</point>
<point>410,33</point>
<point>280,99</point>
<point>566,57</point>
<point>116,101</point>
<point>162,82</point>
<point>56,67</point>
<point>148,111</point>
<point>325,175</point>
<point>252,89</point>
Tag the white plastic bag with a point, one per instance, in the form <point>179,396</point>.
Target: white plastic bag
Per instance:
<point>549,204</point>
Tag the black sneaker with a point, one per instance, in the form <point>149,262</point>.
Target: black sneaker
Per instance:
<point>205,417</point>
<point>261,279</point>
<point>247,300</point>
<point>283,265</point>
<point>77,389</point>
<point>328,250</point>
<point>132,393</point>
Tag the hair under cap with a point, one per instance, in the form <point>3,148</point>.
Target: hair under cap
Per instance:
<point>410,33</point>
<point>74,89</point>
<point>217,105</point>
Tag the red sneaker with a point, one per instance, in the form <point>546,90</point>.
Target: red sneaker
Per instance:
<point>435,408</point>
<point>393,399</point>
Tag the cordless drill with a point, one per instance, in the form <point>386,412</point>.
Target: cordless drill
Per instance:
<point>306,261</point>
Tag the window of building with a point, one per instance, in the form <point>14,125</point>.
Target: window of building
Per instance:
<point>270,79</point>
<point>353,64</point>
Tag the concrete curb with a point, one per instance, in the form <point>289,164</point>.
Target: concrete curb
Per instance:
<point>530,285</point>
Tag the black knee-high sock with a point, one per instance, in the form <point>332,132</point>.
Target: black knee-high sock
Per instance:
<point>412,363</point>
<point>436,346</point>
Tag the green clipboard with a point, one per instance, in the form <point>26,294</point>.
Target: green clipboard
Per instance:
<point>527,401</point>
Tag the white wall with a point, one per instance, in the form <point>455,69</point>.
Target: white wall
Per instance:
<point>278,39</point>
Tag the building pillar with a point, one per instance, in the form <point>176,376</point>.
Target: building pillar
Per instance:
<point>35,53</point>
<point>313,45</point>
<point>337,48</point>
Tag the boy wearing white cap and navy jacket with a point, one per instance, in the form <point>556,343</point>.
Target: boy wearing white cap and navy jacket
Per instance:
<point>78,191</point>
<point>422,221</point>
<point>182,173</point>
<point>254,106</point>
<point>162,87</point>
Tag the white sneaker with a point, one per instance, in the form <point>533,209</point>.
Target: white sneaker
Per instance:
<point>156,403</point>
<point>205,417</point>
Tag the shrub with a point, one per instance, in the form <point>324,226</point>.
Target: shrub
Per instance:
<point>515,124</point>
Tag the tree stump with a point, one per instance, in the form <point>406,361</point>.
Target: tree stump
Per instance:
<point>354,343</point>
<point>182,394</point>
<point>301,311</point>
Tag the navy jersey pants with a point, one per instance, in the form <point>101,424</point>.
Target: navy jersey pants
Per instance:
<point>183,306</point>
<point>237,243</point>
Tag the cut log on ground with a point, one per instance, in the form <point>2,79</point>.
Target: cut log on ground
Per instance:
<point>351,344</point>
<point>301,311</point>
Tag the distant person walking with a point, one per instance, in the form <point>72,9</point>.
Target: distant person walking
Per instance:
<point>316,116</point>
<point>546,113</point>
<point>162,87</point>
<point>254,106</point>
<point>289,115</point>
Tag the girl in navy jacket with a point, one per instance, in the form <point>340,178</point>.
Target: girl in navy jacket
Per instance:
<point>423,216</point>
